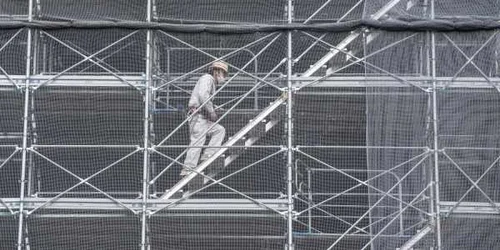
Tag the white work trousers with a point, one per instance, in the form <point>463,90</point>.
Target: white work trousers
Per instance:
<point>197,127</point>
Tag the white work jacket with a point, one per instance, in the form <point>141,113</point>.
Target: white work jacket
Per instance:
<point>205,87</point>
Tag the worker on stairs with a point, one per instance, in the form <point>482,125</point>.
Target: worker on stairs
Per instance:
<point>202,125</point>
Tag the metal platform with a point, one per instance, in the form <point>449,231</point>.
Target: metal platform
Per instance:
<point>470,208</point>
<point>192,204</point>
<point>354,81</point>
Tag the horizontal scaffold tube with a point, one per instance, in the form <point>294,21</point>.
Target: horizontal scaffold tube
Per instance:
<point>444,24</point>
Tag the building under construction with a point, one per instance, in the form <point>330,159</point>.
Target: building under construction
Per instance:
<point>370,124</point>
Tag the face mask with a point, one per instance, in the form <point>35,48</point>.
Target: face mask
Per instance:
<point>221,80</point>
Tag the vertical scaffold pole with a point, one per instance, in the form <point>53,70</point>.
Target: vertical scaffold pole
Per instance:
<point>147,93</point>
<point>435,125</point>
<point>429,127</point>
<point>25,131</point>
<point>290,133</point>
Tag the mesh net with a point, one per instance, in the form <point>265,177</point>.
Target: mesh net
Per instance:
<point>412,9</point>
<point>11,117</point>
<point>13,9</point>
<point>105,134</point>
<point>61,170</point>
<point>92,10</point>
<point>463,8</point>
<point>88,118</point>
<point>101,232</point>
<point>471,54</point>
<point>227,11</point>
<point>115,53</point>
<point>467,157</point>
<point>309,47</point>
<point>10,138</point>
<point>105,97</point>
<point>472,231</point>
<point>216,231</point>
<point>13,54</point>
<point>399,170</point>
<point>327,11</point>
<point>8,238</point>
<point>387,10</point>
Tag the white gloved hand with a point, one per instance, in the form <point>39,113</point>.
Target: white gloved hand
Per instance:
<point>213,117</point>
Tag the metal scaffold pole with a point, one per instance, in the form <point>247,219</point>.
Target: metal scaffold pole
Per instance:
<point>435,128</point>
<point>147,99</point>
<point>290,133</point>
<point>25,132</point>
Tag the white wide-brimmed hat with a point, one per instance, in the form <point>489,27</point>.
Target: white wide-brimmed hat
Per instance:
<point>220,65</point>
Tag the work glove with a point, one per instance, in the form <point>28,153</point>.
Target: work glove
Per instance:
<point>213,117</point>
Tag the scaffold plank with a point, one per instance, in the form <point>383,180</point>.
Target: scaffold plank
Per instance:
<point>152,205</point>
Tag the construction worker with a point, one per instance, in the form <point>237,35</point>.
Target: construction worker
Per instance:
<point>202,124</point>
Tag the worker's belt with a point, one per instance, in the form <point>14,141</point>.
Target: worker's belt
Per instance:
<point>191,110</point>
<point>201,112</point>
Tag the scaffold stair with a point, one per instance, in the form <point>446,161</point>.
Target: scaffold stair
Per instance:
<point>247,136</point>
<point>342,45</point>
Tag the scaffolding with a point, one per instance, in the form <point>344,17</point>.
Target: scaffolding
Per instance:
<point>351,124</point>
